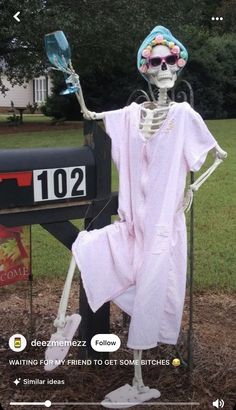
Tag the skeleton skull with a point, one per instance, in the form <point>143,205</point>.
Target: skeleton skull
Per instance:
<point>163,75</point>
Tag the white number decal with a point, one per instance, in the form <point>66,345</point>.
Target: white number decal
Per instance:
<point>59,183</point>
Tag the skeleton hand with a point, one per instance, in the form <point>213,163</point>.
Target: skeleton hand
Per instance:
<point>89,115</point>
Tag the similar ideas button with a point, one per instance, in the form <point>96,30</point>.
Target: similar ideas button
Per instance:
<point>105,342</point>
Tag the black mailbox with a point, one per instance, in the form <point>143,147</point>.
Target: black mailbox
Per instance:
<point>30,177</point>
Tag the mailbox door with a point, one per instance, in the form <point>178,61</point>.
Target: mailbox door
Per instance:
<point>33,176</point>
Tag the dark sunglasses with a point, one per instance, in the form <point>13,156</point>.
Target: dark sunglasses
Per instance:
<point>156,61</point>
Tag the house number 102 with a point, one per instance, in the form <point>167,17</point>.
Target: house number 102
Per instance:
<point>59,183</point>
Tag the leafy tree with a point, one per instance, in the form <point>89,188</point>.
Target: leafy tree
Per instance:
<point>104,37</point>
<point>227,9</point>
<point>21,43</point>
<point>211,73</point>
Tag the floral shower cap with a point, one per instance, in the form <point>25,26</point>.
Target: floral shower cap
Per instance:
<point>160,36</point>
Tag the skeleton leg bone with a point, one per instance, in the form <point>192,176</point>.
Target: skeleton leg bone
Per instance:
<point>138,379</point>
<point>123,397</point>
<point>66,326</point>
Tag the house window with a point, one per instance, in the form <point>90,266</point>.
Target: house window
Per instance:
<point>40,89</point>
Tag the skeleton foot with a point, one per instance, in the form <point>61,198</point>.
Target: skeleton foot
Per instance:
<point>141,388</point>
<point>128,396</point>
<point>60,342</point>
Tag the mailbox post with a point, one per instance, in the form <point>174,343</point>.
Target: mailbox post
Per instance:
<point>51,186</point>
<point>99,322</point>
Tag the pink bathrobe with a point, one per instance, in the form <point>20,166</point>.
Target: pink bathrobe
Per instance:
<point>140,261</point>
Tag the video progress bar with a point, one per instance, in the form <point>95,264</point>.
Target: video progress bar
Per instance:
<point>48,403</point>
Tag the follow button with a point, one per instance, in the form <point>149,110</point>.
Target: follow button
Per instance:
<point>105,342</point>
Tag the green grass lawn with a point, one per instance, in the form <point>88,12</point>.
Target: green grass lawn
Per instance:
<point>26,118</point>
<point>55,138</point>
<point>214,212</point>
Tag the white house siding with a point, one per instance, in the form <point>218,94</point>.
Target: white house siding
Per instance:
<point>22,95</point>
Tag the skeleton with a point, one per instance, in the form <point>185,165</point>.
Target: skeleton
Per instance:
<point>152,117</point>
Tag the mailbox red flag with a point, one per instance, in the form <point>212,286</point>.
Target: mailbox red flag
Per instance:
<point>14,254</point>
<point>23,178</point>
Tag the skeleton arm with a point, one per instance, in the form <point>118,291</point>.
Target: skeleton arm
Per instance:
<point>73,79</point>
<point>88,115</point>
<point>220,155</point>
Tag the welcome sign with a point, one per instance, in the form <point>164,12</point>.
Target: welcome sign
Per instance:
<point>15,243</point>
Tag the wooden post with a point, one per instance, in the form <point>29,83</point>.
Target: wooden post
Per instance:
<point>96,323</point>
